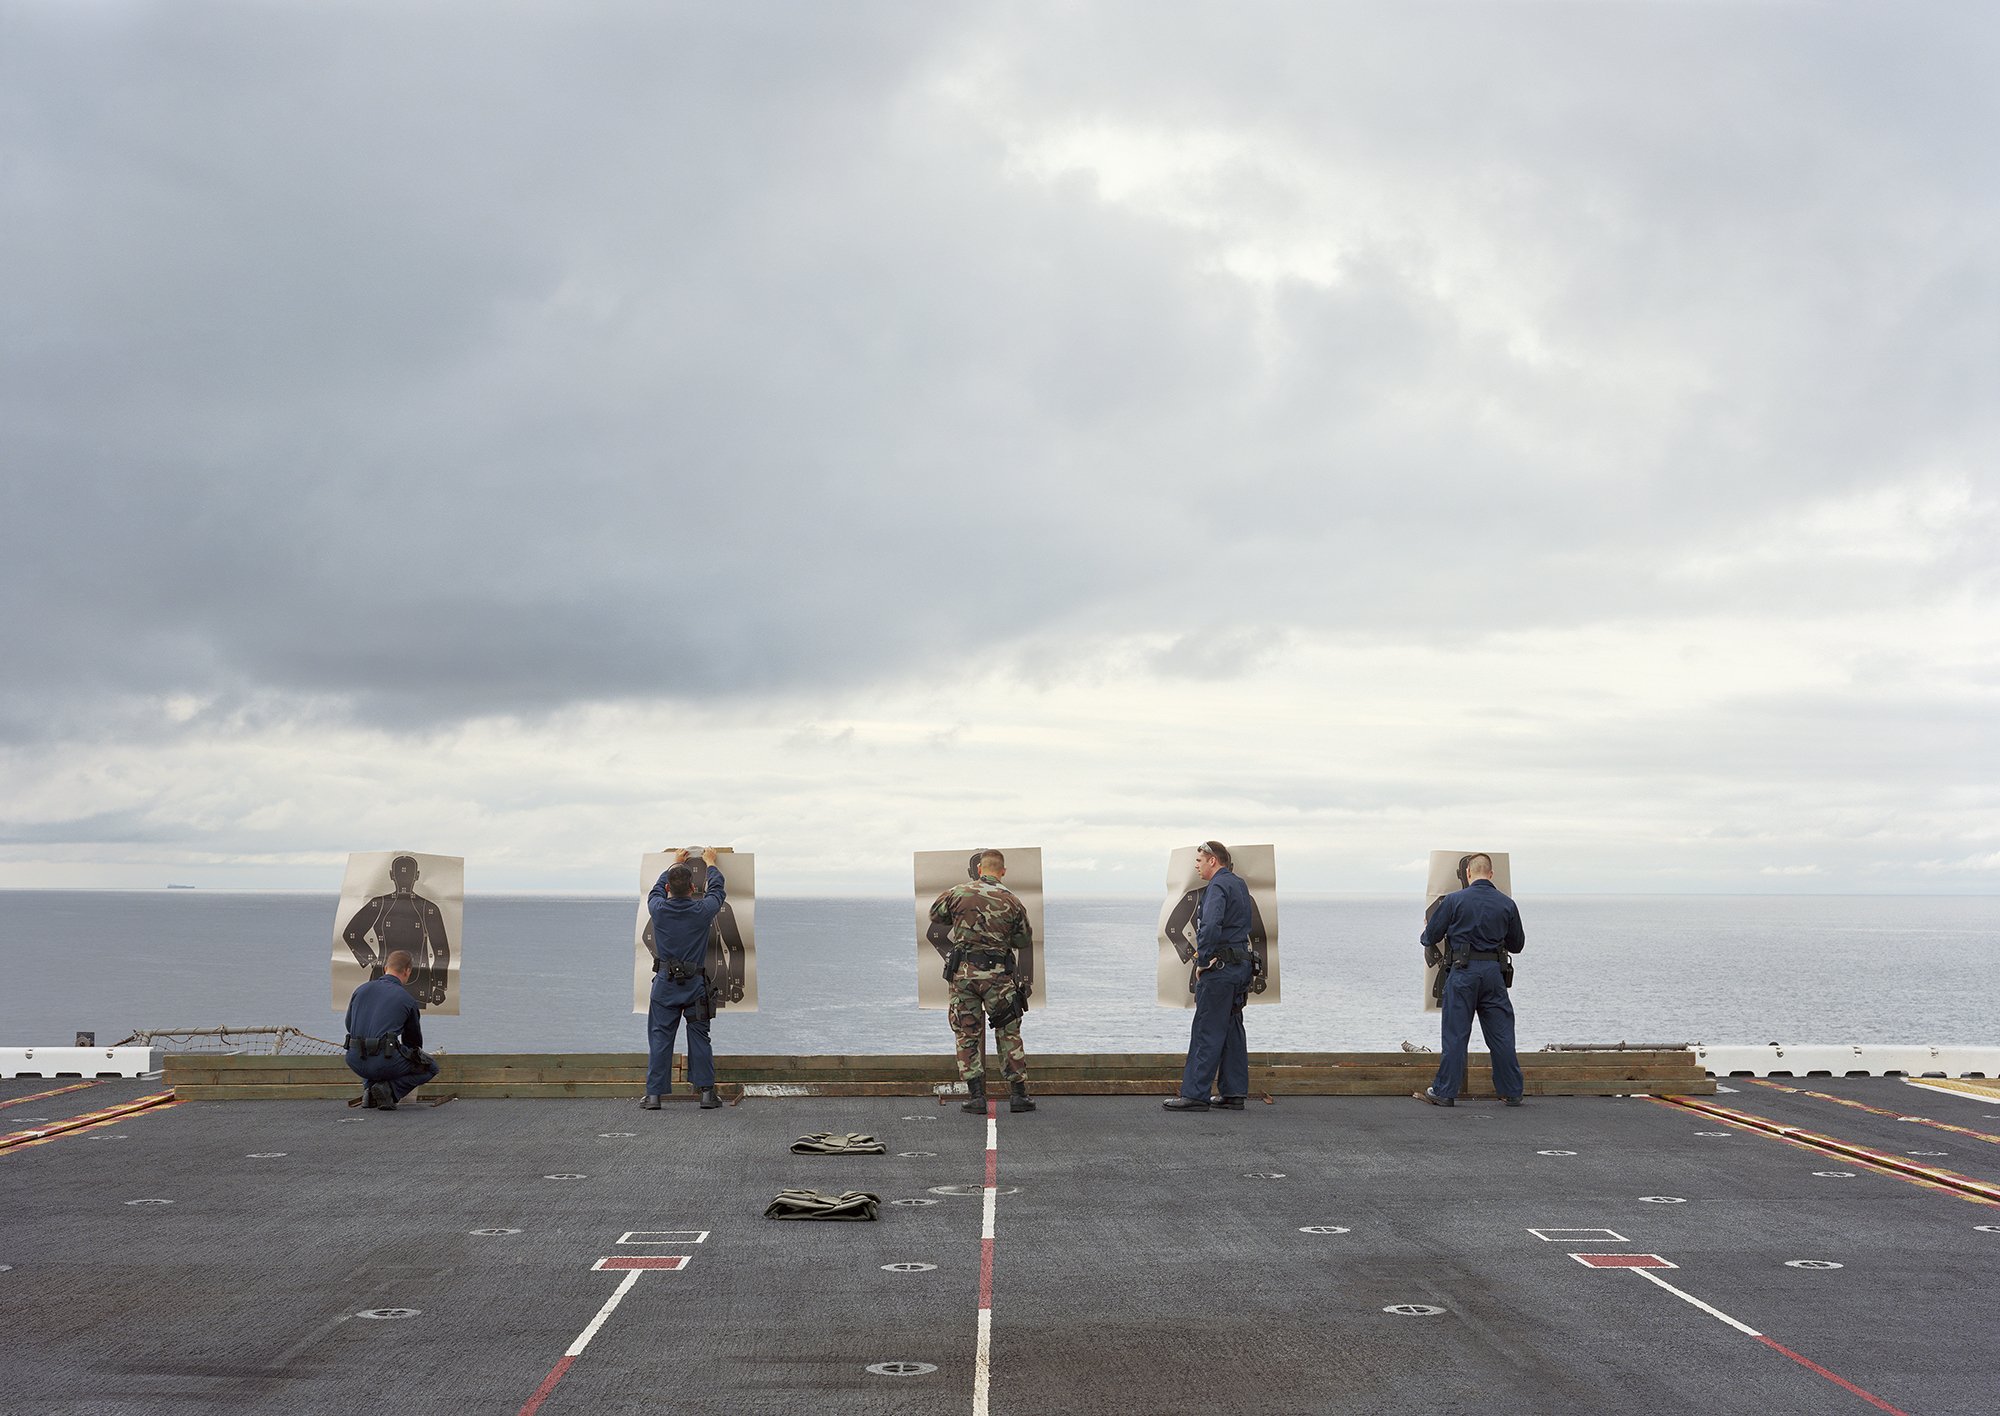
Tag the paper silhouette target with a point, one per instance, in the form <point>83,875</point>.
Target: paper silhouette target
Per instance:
<point>1173,975</point>
<point>406,900</point>
<point>731,965</point>
<point>1447,873</point>
<point>937,872</point>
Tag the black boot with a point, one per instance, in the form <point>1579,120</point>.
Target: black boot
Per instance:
<point>1018,1100</point>
<point>975,1096</point>
<point>709,1100</point>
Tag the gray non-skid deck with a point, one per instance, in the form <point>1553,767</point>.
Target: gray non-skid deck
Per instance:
<point>1142,1261</point>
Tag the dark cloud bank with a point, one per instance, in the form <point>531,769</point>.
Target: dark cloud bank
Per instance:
<point>483,358</point>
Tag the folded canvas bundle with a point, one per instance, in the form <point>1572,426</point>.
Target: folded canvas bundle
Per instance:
<point>811,1204</point>
<point>827,1143</point>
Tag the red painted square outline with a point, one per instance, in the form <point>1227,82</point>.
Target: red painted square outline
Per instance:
<point>1622,1261</point>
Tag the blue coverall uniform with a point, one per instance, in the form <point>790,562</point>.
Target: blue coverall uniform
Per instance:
<point>384,1019</point>
<point>1217,1047</point>
<point>1481,924</point>
<point>680,936</point>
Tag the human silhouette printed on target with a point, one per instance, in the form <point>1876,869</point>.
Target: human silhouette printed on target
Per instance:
<point>724,961</point>
<point>403,920</point>
<point>939,935</point>
<point>1186,919</point>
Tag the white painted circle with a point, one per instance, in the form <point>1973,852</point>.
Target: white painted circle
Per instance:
<point>916,1155</point>
<point>1323,1229</point>
<point>1413,1310</point>
<point>1812,1264</point>
<point>487,1232</point>
<point>265,1155</point>
<point>565,1177</point>
<point>965,1191</point>
<point>1661,1200</point>
<point>388,1313</point>
<point>353,1120</point>
<point>1263,1175</point>
<point>149,1202</point>
<point>616,1135</point>
<point>1555,1152</point>
<point>901,1369</point>
<point>1834,1174</point>
<point>908,1268</point>
<point>913,1202</point>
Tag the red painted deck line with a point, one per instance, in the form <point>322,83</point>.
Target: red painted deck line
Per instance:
<point>534,1403</point>
<point>1877,1110</point>
<point>56,1130</point>
<point>982,1366</point>
<point>1949,1181</point>
<point>548,1385</point>
<point>1748,1331</point>
<point>1839,1381</point>
<point>43,1096</point>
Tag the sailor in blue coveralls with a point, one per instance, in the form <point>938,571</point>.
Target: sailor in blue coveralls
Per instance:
<point>680,989</point>
<point>1483,927</point>
<point>1217,1047</point>
<point>385,1037</point>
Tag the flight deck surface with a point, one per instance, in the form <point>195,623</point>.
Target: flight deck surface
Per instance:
<point>1320,1254</point>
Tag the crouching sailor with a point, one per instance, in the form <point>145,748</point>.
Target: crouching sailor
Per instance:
<point>385,1035</point>
<point>681,920</point>
<point>988,967</point>
<point>1224,968</point>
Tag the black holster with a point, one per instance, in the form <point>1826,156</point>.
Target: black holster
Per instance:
<point>1013,1008</point>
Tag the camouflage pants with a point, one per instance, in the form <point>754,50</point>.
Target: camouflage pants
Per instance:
<point>973,999</point>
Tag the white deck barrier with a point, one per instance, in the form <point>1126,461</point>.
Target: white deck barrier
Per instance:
<point>1785,1059</point>
<point>78,1061</point>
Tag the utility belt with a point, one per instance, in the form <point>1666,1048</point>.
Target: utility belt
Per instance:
<point>963,958</point>
<point>677,971</point>
<point>1478,956</point>
<point>389,1046</point>
<point>1229,956</point>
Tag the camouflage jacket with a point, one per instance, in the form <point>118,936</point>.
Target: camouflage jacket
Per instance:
<point>986,915</point>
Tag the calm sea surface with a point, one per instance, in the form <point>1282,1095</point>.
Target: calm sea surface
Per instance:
<point>553,973</point>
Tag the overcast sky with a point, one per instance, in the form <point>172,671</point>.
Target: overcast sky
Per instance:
<point>543,433</point>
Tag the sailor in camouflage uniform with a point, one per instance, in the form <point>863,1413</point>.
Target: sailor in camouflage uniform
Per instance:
<point>987,927</point>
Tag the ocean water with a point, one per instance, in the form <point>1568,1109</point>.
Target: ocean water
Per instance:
<point>553,973</point>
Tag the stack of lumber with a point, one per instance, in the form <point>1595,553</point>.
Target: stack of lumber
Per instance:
<point>207,1077</point>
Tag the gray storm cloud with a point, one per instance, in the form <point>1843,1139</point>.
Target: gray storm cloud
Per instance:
<point>484,359</point>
